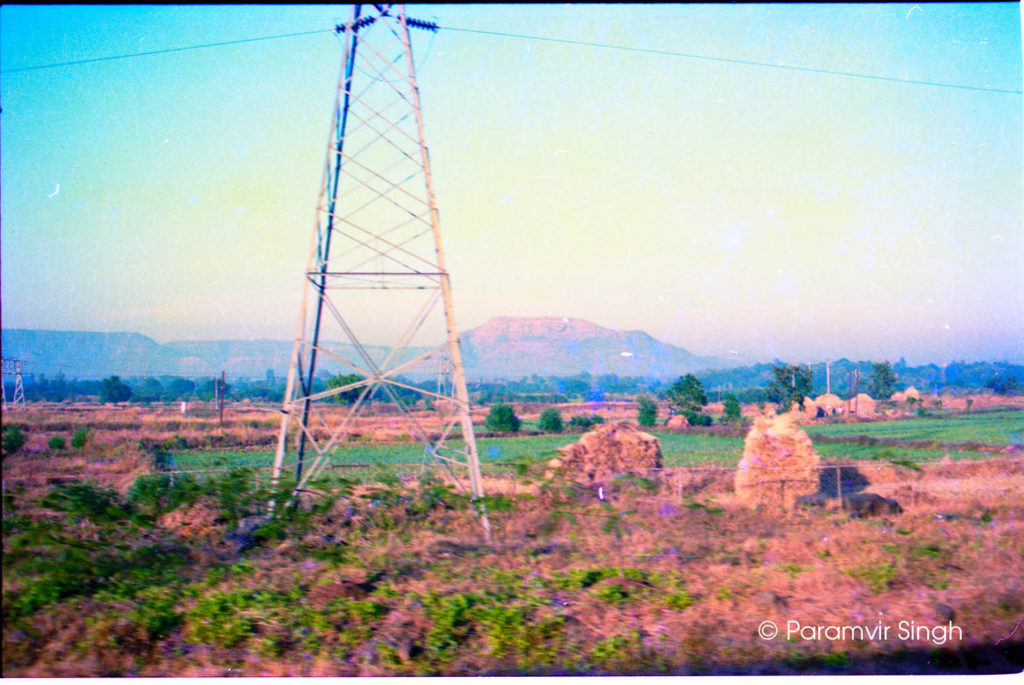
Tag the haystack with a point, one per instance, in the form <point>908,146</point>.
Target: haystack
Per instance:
<point>779,464</point>
<point>809,410</point>
<point>862,405</point>
<point>607,451</point>
<point>830,402</point>
<point>677,421</point>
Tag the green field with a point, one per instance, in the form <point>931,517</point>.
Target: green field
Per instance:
<point>990,428</point>
<point>994,428</point>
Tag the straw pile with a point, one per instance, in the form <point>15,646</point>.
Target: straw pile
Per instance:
<point>830,402</point>
<point>862,405</point>
<point>677,421</point>
<point>607,451</point>
<point>779,464</point>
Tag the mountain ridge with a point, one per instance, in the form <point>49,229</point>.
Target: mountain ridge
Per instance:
<point>502,347</point>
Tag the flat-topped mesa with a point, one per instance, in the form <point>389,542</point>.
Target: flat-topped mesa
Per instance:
<point>501,328</point>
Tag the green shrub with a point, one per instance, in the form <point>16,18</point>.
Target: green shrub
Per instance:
<point>551,421</point>
<point>586,422</point>
<point>13,439</point>
<point>647,411</point>
<point>80,437</point>
<point>697,418</point>
<point>877,577</point>
<point>57,442</point>
<point>679,600</point>
<point>733,408</point>
<point>221,619</point>
<point>97,504</point>
<point>502,419</point>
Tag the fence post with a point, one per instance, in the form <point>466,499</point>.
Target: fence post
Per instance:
<point>839,482</point>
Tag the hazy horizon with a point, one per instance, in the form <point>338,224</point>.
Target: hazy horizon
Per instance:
<point>715,204</point>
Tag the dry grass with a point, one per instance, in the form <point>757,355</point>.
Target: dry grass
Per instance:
<point>670,575</point>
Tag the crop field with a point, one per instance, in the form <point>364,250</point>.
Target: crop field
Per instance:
<point>682,449</point>
<point>113,568</point>
<point>990,428</point>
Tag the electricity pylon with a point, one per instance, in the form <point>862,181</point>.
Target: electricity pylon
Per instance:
<point>12,367</point>
<point>376,271</point>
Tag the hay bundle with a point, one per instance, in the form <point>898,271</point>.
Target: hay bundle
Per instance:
<point>862,405</point>
<point>607,451</point>
<point>677,421</point>
<point>779,464</point>
<point>830,402</point>
<point>808,411</point>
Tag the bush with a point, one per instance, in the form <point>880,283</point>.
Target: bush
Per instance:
<point>697,419</point>
<point>551,421</point>
<point>647,411</point>
<point>13,439</point>
<point>503,419</point>
<point>586,422</point>
<point>80,437</point>
<point>57,442</point>
<point>733,409</point>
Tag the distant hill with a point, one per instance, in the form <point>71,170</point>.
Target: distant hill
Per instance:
<point>504,347</point>
<point>512,347</point>
<point>85,355</point>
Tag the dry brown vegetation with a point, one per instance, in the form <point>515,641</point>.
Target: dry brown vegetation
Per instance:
<point>669,573</point>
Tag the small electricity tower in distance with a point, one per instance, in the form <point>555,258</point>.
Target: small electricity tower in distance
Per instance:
<point>12,367</point>
<point>377,296</point>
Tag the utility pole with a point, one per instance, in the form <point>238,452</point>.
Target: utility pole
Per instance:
<point>223,386</point>
<point>376,270</point>
<point>856,392</point>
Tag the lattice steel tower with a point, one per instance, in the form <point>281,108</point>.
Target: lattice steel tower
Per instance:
<point>376,271</point>
<point>12,367</point>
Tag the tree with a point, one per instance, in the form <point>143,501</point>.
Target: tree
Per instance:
<point>791,384</point>
<point>733,409</point>
<point>1004,385</point>
<point>340,381</point>
<point>647,411</point>
<point>180,388</point>
<point>686,395</point>
<point>882,383</point>
<point>551,421</point>
<point>502,419</point>
<point>113,389</point>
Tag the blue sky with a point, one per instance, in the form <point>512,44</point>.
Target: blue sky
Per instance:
<point>717,205</point>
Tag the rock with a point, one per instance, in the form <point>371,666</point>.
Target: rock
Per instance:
<point>766,599</point>
<point>242,535</point>
<point>814,500</point>
<point>869,504</point>
<point>944,611</point>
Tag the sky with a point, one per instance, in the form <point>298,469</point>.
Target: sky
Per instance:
<point>731,208</point>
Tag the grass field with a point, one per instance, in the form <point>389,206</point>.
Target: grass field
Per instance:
<point>990,428</point>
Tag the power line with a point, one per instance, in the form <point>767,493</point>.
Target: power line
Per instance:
<point>162,52</point>
<point>564,41</point>
<point>669,53</point>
